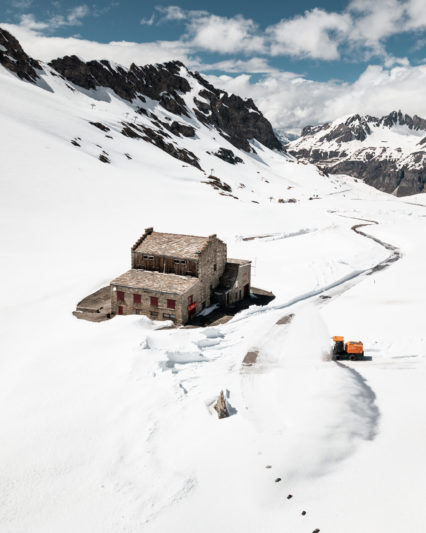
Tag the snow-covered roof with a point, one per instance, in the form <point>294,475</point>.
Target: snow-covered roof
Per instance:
<point>155,281</point>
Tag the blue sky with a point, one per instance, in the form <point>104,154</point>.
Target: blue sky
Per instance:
<point>251,47</point>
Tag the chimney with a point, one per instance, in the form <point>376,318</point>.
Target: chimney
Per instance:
<point>148,231</point>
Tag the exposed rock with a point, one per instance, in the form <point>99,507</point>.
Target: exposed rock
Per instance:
<point>100,126</point>
<point>179,153</point>
<point>221,407</point>
<point>236,119</point>
<point>129,131</point>
<point>228,156</point>
<point>336,148</point>
<point>217,184</point>
<point>290,496</point>
<point>13,57</point>
<point>182,129</point>
<point>104,158</point>
<point>277,480</point>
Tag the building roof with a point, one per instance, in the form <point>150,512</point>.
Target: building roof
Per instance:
<point>238,261</point>
<point>172,245</point>
<point>155,281</point>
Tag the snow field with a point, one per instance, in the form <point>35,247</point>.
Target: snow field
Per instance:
<point>109,425</point>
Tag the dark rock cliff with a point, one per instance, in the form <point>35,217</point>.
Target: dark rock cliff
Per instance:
<point>238,119</point>
<point>347,148</point>
<point>13,57</point>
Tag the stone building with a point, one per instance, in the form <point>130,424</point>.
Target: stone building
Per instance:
<point>174,277</point>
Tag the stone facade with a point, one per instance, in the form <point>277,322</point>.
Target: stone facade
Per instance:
<point>235,282</point>
<point>174,277</point>
<point>155,300</point>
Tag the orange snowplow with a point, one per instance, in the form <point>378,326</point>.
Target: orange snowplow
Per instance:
<point>353,350</point>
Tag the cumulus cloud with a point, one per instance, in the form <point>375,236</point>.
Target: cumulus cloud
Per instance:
<point>224,35</point>
<point>291,102</point>
<point>315,34</point>
<point>47,47</point>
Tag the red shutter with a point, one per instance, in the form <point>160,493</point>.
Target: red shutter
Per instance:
<point>171,304</point>
<point>120,296</point>
<point>154,301</point>
<point>137,299</point>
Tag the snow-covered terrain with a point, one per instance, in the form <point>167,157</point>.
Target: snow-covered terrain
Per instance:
<point>109,426</point>
<point>388,152</point>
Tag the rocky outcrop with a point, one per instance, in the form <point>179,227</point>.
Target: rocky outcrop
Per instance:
<point>156,138</point>
<point>228,156</point>
<point>13,57</point>
<point>237,119</point>
<point>388,153</point>
<point>188,101</point>
<point>221,407</point>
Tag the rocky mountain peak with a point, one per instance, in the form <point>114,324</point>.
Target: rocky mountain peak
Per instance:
<point>13,57</point>
<point>387,152</point>
<point>238,119</point>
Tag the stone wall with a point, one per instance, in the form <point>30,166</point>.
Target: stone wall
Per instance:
<point>161,311</point>
<point>211,267</point>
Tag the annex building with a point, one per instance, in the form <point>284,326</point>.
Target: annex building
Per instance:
<point>174,277</point>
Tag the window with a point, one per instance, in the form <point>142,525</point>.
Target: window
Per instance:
<point>176,261</point>
<point>138,311</point>
<point>137,299</point>
<point>215,267</point>
<point>183,262</point>
<point>154,314</point>
<point>171,304</point>
<point>190,299</point>
<point>169,316</point>
<point>154,301</point>
<point>145,257</point>
<point>120,296</point>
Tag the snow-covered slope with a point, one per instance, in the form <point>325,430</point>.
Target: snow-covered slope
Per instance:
<point>388,153</point>
<point>109,427</point>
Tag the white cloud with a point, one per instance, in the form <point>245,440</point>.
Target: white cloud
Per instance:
<point>252,65</point>
<point>416,14</point>
<point>206,31</point>
<point>148,21</point>
<point>291,102</point>
<point>73,17</point>
<point>315,34</point>
<point>47,47</point>
<point>172,13</point>
<point>224,35</point>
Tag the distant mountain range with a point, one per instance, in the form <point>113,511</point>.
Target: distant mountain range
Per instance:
<point>168,106</point>
<point>388,153</point>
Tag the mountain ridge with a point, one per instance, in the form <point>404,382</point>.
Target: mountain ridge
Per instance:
<point>235,118</point>
<point>386,152</point>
